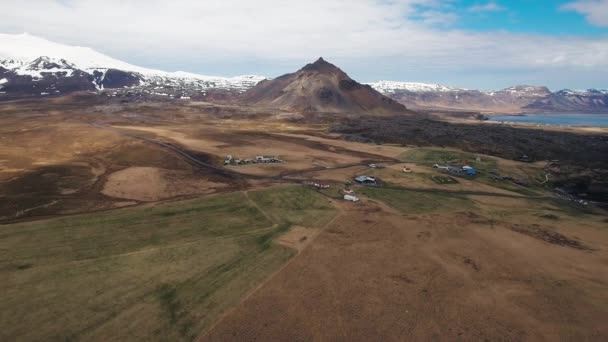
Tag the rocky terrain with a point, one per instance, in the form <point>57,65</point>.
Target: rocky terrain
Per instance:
<point>517,99</point>
<point>320,87</point>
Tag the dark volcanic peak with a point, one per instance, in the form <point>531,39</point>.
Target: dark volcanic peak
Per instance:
<point>322,66</point>
<point>321,87</point>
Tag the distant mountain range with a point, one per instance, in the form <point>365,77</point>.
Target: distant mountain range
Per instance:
<point>31,66</point>
<point>509,100</point>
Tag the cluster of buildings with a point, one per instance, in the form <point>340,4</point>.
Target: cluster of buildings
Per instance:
<point>230,160</point>
<point>349,195</point>
<point>319,185</point>
<point>465,170</point>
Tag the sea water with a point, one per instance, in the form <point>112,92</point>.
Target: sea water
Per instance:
<point>590,120</point>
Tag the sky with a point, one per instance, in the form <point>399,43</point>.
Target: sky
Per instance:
<point>483,44</point>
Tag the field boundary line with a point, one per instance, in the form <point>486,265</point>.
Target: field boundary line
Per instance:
<point>229,311</point>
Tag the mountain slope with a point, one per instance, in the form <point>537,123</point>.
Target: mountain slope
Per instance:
<point>515,99</point>
<point>34,66</point>
<point>434,96</point>
<point>592,101</point>
<point>320,87</point>
<point>25,47</point>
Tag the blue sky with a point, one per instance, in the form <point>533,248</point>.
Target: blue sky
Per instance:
<point>525,16</point>
<point>468,43</point>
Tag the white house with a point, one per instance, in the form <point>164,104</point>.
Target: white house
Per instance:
<point>351,198</point>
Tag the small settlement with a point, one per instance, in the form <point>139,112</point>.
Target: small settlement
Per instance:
<point>230,160</point>
<point>465,170</point>
<point>349,195</point>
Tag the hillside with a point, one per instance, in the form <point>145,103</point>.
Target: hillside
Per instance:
<point>592,101</point>
<point>516,99</point>
<point>33,66</point>
<point>320,87</point>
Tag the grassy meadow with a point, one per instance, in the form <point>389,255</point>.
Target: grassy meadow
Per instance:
<point>157,272</point>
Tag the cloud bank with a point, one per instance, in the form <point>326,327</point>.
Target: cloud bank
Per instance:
<point>372,37</point>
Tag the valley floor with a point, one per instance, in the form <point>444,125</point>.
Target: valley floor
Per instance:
<point>122,223</point>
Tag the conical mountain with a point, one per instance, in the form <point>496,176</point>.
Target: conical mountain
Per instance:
<point>321,87</point>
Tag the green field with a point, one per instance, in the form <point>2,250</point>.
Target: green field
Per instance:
<point>434,156</point>
<point>162,272</point>
<point>510,186</point>
<point>295,205</point>
<point>415,202</point>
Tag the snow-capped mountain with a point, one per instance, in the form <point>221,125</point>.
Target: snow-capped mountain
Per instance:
<point>31,65</point>
<point>521,98</point>
<point>566,100</point>
<point>392,87</point>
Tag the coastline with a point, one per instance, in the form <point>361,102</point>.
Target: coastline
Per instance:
<point>547,127</point>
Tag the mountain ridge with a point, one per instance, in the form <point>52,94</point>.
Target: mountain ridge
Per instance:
<point>32,66</point>
<point>520,98</point>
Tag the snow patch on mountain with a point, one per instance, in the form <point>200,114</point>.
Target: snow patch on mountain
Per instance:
<point>390,87</point>
<point>525,90</point>
<point>42,66</point>
<point>25,47</point>
<point>27,55</point>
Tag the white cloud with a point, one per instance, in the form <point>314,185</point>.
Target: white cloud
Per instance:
<point>596,11</point>
<point>491,6</point>
<point>405,34</point>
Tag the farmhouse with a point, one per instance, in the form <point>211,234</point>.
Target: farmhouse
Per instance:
<point>365,180</point>
<point>470,171</point>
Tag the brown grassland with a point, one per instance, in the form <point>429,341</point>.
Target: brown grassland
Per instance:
<point>119,222</point>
